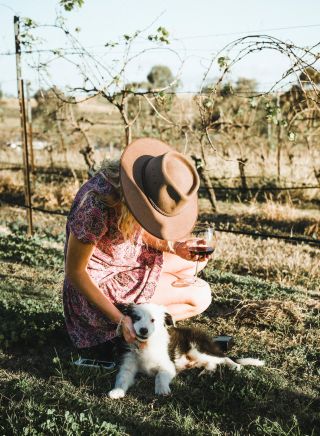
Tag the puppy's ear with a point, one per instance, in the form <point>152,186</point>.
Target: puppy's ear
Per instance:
<point>168,320</point>
<point>126,309</point>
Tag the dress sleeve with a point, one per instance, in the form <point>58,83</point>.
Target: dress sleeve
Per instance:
<point>88,219</point>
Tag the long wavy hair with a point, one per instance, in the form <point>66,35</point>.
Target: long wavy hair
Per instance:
<point>127,225</point>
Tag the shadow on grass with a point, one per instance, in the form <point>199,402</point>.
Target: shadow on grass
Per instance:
<point>29,324</point>
<point>297,227</point>
<point>231,402</point>
<point>234,403</point>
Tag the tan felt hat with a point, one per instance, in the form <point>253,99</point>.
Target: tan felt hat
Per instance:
<point>160,188</point>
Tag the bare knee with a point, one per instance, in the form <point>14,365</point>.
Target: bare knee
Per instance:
<point>201,298</point>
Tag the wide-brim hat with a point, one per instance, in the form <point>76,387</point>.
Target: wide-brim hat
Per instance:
<point>160,187</point>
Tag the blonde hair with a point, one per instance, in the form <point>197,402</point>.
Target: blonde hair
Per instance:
<point>127,224</point>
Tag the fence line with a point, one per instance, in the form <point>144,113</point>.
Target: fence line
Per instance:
<point>290,239</point>
<point>267,188</point>
<point>36,209</point>
<point>216,188</point>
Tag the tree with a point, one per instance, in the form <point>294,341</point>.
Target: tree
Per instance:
<point>161,76</point>
<point>50,109</point>
<point>244,85</point>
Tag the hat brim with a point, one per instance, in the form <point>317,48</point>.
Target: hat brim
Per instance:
<point>133,160</point>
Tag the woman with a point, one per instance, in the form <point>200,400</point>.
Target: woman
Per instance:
<point>118,246</point>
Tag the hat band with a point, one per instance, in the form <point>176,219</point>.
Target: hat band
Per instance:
<point>153,204</point>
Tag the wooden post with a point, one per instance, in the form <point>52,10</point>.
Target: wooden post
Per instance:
<point>24,137</point>
<point>30,131</point>
<point>279,139</point>
<point>242,163</point>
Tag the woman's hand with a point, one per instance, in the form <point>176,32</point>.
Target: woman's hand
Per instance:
<point>182,249</point>
<point>127,330</point>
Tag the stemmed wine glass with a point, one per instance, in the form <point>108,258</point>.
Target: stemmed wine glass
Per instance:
<point>202,243</point>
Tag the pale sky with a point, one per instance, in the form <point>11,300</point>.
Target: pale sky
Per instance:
<point>198,30</point>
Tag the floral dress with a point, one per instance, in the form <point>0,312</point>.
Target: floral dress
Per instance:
<point>127,271</point>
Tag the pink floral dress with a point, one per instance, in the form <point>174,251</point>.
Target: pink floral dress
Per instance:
<point>125,271</point>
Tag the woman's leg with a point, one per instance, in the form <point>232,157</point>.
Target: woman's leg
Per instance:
<point>179,267</point>
<point>181,302</point>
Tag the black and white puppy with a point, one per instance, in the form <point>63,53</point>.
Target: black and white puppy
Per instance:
<point>164,353</point>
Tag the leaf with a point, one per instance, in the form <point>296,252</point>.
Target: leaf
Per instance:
<point>70,4</point>
<point>223,61</point>
<point>111,44</point>
<point>28,22</point>
<point>291,136</point>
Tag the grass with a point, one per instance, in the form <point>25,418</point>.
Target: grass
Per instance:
<point>42,393</point>
<point>270,259</point>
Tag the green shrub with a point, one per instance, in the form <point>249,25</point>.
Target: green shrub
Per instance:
<point>29,322</point>
<point>30,251</point>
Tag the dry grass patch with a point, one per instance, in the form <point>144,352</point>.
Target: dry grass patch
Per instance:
<point>288,264</point>
<point>11,182</point>
<point>55,196</point>
<point>269,313</point>
<point>270,210</point>
<point>47,195</point>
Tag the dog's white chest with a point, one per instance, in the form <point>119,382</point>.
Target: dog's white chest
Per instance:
<point>152,358</point>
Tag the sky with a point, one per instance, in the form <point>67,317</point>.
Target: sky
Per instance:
<point>198,31</point>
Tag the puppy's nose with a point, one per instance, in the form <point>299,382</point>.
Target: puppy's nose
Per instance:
<point>143,330</point>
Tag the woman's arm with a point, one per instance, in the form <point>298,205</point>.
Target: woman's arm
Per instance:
<point>180,248</point>
<point>78,255</point>
<point>159,244</point>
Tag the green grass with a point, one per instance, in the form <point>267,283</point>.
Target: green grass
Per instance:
<point>42,393</point>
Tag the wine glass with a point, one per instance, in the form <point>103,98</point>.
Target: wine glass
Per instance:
<point>202,242</point>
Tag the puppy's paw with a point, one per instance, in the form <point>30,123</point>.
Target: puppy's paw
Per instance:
<point>162,390</point>
<point>116,393</point>
<point>235,367</point>
<point>208,368</point>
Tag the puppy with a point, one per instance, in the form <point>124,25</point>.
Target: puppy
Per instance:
<point>163,353</point>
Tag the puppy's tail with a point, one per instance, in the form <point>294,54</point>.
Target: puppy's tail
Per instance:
<point>251,362</point>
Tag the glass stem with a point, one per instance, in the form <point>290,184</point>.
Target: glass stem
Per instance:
<point>196,273</point>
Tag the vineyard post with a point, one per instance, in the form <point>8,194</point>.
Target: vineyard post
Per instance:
<point>24,138</point>
<point>30,131</point>
<point>279,138</point>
